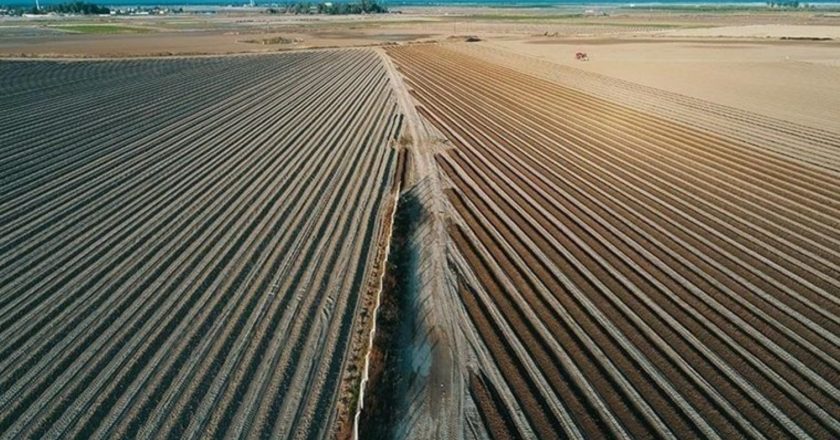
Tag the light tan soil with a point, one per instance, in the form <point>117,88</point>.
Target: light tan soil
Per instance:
<point>794,81</point>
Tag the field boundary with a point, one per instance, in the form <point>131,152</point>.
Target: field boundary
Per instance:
<point>378,299</point>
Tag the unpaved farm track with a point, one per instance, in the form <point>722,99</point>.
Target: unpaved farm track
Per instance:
<point>632,275</point>
<point>185,244</point>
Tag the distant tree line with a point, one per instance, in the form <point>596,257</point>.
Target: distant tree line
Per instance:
<point>786,4</point>
<point>80,8</point>
<point>337,8</point>
<point>77,8</point>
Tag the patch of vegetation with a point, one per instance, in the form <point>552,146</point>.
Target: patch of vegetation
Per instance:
<point>807,38</point>
<point>787,4</point>
<point>405,140</point>
<point>78,8</point>
<point>633,25</point>
<point>696,8</point>
<point>331,8</point>
<point>519,17</point>
<point>101,29</point>
<point>724,8</point>
<point>273,40</point>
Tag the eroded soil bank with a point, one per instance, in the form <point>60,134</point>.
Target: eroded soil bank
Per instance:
<point>390,358</point>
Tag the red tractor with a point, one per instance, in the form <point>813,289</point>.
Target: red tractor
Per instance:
<point>582,56</point>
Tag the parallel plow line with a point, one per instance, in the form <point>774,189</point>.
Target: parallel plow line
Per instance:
<point>198,273</point>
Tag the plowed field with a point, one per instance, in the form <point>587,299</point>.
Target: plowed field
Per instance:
<point>185,244</point>
<point>632,274</point>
